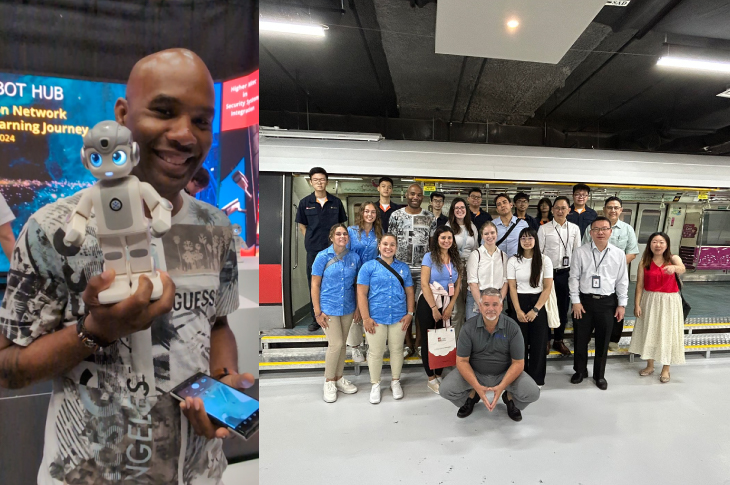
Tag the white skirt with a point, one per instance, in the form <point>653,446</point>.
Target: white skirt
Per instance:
<point>659,331</point>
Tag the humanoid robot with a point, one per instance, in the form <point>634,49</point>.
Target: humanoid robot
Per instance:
<point>240,243</point>
<point>117,201</point>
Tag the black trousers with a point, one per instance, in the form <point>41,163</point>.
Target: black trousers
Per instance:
<point>599,316</point>
<point>562,293</point>
<point>426,321</point>
<point>617,330</point>
<point>310,262</point>
<point>535,334</point>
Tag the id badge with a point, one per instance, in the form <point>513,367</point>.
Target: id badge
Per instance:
<point>451,289</point>
<point>595,281</point>
<point>566,261</point>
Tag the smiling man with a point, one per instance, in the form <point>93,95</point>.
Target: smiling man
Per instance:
<point>105,423</point>
<point>490,357</point>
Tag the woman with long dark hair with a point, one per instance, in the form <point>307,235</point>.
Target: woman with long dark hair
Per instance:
<point>364,237</point>
<point>659,328</point>
<point>544,211</point>
<point>334,272</point>
<point>466,239</point>
<point>440,286</point>
<point>530,278</point>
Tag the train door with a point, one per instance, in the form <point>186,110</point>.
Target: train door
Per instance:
<point>299,287</point>
<point>649,219</point>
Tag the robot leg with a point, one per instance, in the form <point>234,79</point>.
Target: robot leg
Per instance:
<point>115,257</point>
<point>142,263</point>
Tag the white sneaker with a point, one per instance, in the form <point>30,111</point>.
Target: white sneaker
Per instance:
<point>434,385</point>
<point>375,394</point>
<point>397,390</point>
<point>330,391</point>
<point>357,355</point>
<point>345,386</point>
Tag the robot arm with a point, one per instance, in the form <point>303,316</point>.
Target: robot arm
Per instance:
<point>76,228</point>
<point>160,208</point>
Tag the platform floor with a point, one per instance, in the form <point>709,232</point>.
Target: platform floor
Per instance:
<point>638,431</point>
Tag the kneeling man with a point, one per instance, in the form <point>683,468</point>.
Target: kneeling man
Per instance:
<point>490,356</point>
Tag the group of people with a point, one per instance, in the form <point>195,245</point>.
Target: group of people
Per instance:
<point>402,265</point>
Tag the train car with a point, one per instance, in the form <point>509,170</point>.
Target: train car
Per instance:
<point>688,197</point>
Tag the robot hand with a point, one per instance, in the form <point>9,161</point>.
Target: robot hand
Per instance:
<point>75,231</point>
<point>161,218</point>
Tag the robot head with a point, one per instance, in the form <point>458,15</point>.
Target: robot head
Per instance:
<point>109,152</point>
<point>237,229</point>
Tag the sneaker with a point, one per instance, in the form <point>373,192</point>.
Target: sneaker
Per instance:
<point>357,355</point>
<point>397,390</point>
<point>434,385</point>
<point>375,394</point>
<point>330,391</point>
<point>613,346</point>
<point>345,386</point>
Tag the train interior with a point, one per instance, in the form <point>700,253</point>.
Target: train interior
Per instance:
<point>696,220</point>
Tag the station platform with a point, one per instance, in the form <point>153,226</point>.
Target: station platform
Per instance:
<point>707,330</point>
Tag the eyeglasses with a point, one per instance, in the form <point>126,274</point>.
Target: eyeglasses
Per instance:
<point>560,209</point>
<point>582,195</point>
<point>601,229</point>
<point>475,197</point>
<point>527,238</point>
<point>318,181</point>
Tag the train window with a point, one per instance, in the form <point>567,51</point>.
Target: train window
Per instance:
<point>716,228</point>
<point>649,224</point>
<point>626,216</point>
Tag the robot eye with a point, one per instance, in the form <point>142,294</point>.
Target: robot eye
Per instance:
<point>119,157</point>
<point>95,159</point>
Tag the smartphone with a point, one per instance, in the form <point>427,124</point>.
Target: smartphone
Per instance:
<point>226,406</point>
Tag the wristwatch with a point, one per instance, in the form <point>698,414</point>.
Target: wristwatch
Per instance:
<point>89,340</point>
<point>412,314</point>
<point>535,309</point>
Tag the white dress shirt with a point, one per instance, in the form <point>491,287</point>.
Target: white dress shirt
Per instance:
<point>488,271</point>
<point>557,241</point>
<point>611,268</point>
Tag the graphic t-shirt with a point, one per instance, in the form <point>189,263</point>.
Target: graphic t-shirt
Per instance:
<point>413,233</point>
<point>106,424</point>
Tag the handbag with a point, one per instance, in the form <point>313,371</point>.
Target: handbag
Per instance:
<point>685,306</point>
<point>551,307</point>
<point>441,347</point>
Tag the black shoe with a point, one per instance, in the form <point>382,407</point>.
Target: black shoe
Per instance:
<point>512,411</point>
<point>602,384</point>
<point>468,406</point>
<point>314,326</point>
<point>578,377</point>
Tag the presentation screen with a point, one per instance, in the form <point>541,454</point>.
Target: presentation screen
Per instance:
<point>42,122</point>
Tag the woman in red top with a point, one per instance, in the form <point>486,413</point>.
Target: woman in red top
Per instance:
<point>659,329</point>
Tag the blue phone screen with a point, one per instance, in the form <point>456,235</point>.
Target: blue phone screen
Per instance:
<point>226,404</point>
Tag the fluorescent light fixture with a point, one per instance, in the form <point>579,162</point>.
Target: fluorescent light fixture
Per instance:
<point>513,24</point>
<point>725,94</point>
<point>695,64</point>
<point>318,135</point>
<point>292,28</point>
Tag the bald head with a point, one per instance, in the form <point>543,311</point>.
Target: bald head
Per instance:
<point>414,195</point>
<point>169,107</point>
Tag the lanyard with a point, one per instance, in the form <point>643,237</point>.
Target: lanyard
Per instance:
<point>567,239</point>
<point>451,274</point>
<point>599,263</point>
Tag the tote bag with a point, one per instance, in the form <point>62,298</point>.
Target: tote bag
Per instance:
<point>441,347</point>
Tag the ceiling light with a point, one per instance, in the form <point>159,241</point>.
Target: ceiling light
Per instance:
<point>725,94</point>
<point>313,30</point>
<point>513,24</point>
<point>318,135</point>
<point>696,64</point>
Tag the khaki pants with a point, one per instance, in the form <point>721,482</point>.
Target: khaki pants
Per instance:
<point>395,336</point>
<point>355,339</point>
<point>336,332</point>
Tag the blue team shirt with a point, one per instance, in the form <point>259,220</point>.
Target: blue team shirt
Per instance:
<point>441,275</point>
<point>337,291</point>
<point>365,245</point>
<point>386,297</point>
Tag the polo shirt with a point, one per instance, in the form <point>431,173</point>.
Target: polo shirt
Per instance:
<point>491,354</point>
<point>386,297</point>
<point>337,290</point>
<point>365,245</point>
<point>385,215</point>
<point>531,221</point>
<point>319,220</point>
<point>583,219</point>
<point>622,236</point>
<point>509,245</point>
<point>442,220</point>
<point>481,218</point>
